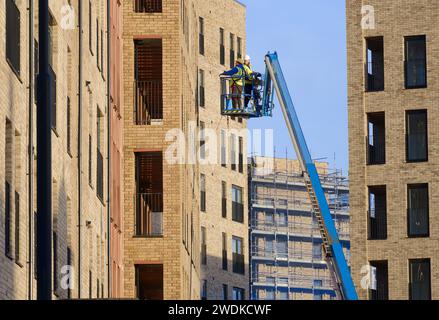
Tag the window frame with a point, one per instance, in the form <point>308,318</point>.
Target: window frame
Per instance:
<point>406,41</point>
<point>407,115</point>
<point>409,188</point>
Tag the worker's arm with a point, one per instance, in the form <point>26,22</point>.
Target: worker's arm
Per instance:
<point>230,72</point>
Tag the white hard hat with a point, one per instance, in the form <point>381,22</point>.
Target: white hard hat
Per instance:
<point>247,57</point>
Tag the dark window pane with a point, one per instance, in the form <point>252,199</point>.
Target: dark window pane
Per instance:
<point>417,144</point>
<point>13,35</point>
<point>420,284</point>
<point>418,210</point>
<point>374,64</point>
<point>415,62</point>
<point>377,213</point>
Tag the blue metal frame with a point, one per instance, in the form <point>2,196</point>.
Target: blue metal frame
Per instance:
<point>274,71</point>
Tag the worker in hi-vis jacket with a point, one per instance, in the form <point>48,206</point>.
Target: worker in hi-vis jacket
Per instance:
<point>237,75</point>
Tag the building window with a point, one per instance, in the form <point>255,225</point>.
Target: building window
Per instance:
<point>203,193</point>
<point>203,246</point>
<point>415,62</point>
<point>237,205</point>
<point>238,294</point>
<point>53,96</point>
<point>149,282</point>
<point>379,280</point>
<point>223,149</point>
<point>148,81</point>
<point>233,152</point>
<point>374,64</point>
<point>222,47</point>
<point>202,140</point>
<point>99,155</point>
<point>417,138</point>
<point>377,213</point>
<point>240,155</point>
<point>69,127</point>
<point>201,90</point>
<point>418,211</point>
<point>232,50</point>
<point>317,251</point>
<point>376,139</point>
<point>201,35</point>
<point>224,199</point>
<point>239,43</point>
<point>17,228</point>
<point>224,251</point>
<point>90,27</point>
<point>238,255</point>
<point>90,162</point>
<point>225,292</point>
<point>8,220</point>
<point>13,36</point>
<point>148,6</point>
<point>420,283</point>
<point>149,194</point>
<point>204,290</point>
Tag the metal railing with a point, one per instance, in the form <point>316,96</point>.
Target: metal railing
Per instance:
<point>374,75</point>
<point>149,214</point>
<point>148,6</point>
<point>297,228</point>
<point>377,223</point>
<point>376,150</point>
<point>294,280</point>
<point>292,254</point>
<point>148,102</point>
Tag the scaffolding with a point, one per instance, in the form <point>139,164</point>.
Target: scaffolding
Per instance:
<point>286,246</point>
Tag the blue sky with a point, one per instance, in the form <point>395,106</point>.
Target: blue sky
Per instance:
<point>309,37</point>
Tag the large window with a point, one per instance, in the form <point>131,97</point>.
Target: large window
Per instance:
<point>415,62</point>
<point>203,193</point>
<point>237,205</point>
<point>148,81</point>
<point>417,139</point>
<point>418,210</point>
<point>224,199</point>
<point>238,255</point>
<point>201,90</point>
<point>201,36</point>
<point>149,194</point>
<point>374,64</point>
<point>149,282</point>
<point>376,139</point>
<point>420,279</point>
<point>377,213</point>
<point>13,35</point>
<point>224,251</point>
<point>222,47</point>
<point>203,246</point>
<point>380,283</point>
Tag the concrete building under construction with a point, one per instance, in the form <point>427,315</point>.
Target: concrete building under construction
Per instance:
<point>286,258</point>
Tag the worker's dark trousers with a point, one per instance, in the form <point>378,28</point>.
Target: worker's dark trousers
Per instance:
<point>248,91</point>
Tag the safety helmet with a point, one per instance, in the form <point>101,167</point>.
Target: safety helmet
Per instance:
<point>247,58</point>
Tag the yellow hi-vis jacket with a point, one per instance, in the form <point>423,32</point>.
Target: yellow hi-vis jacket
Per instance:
<point>248,74</point>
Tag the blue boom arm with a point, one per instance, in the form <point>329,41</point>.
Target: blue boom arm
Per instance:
<point>334,250</point>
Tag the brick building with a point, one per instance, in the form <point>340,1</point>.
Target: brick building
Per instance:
<point>80,139</point>
<point>173,223</point>
<point>393,142</point>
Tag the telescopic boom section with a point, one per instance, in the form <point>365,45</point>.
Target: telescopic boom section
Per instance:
<point>331,243</point>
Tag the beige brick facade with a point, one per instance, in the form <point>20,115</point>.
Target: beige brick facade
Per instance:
<point>85,240</point>
<point>394,20</point>
<point>178,248</point>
